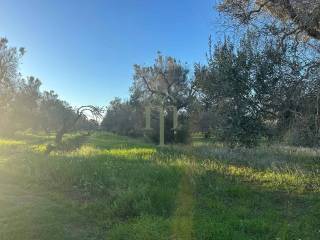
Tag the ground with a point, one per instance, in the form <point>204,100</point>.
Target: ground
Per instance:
<point>104,186</point>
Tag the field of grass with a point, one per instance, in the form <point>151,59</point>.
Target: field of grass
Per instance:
<point>109,187</point>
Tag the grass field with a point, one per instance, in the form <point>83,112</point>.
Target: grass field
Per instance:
<point>109,187</point>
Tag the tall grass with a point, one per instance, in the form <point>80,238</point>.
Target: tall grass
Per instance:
<point>110,187</point>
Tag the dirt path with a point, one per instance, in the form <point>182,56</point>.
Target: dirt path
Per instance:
<point>183,217</point>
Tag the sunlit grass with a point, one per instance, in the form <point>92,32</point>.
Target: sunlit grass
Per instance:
<point>105,186</point>
<point>9,142</point>
<point>89,151</point>
<point>290,179</point>
<point>277,180</point>
<point>40,148</point>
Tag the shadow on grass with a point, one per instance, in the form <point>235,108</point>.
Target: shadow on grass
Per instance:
<point>110,189</point>
<point>129,190</point>
<point>229,208</point>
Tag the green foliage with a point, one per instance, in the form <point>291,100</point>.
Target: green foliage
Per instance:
<point>23,106</point>
<point>230,92</point>
<point>53,112</point>
<point>183,132</point>
<point>252,90</point>
<point>302,16</point>
<point>302,134</point>
<point>291,59</point>
<point>110,187</point>
<point>9,62</point>
<point>123,118</point>
<point>166,82</point>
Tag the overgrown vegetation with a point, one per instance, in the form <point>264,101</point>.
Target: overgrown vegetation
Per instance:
<point>243,162</point>
<point>111,187</point>
<point>250,90</point>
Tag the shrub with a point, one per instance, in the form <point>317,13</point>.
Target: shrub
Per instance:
<point>302,133</point>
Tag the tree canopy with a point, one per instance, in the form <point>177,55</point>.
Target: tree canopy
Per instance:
<point>296,16</point>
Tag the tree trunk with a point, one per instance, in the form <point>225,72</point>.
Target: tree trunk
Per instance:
<point>65,128</point>
<point>59,136</point>
<point>317,115</point>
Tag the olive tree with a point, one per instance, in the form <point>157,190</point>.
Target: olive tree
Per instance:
<point>70,121</point>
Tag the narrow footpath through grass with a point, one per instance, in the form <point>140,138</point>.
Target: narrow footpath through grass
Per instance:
<point>110,187</point>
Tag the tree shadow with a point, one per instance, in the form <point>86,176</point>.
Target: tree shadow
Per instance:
<point>117,184</point>
<point>229,207</point>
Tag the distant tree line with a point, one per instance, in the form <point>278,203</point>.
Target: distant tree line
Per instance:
<point>23,106</point>
<point>262,87</point>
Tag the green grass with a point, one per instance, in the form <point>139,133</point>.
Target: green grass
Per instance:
<point>108,187</point>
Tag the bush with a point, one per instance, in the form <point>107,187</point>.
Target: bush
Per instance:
<point>303,134</point>
<point>124,119</point>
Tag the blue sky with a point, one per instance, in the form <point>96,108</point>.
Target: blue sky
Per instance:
<point>85,49</point>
